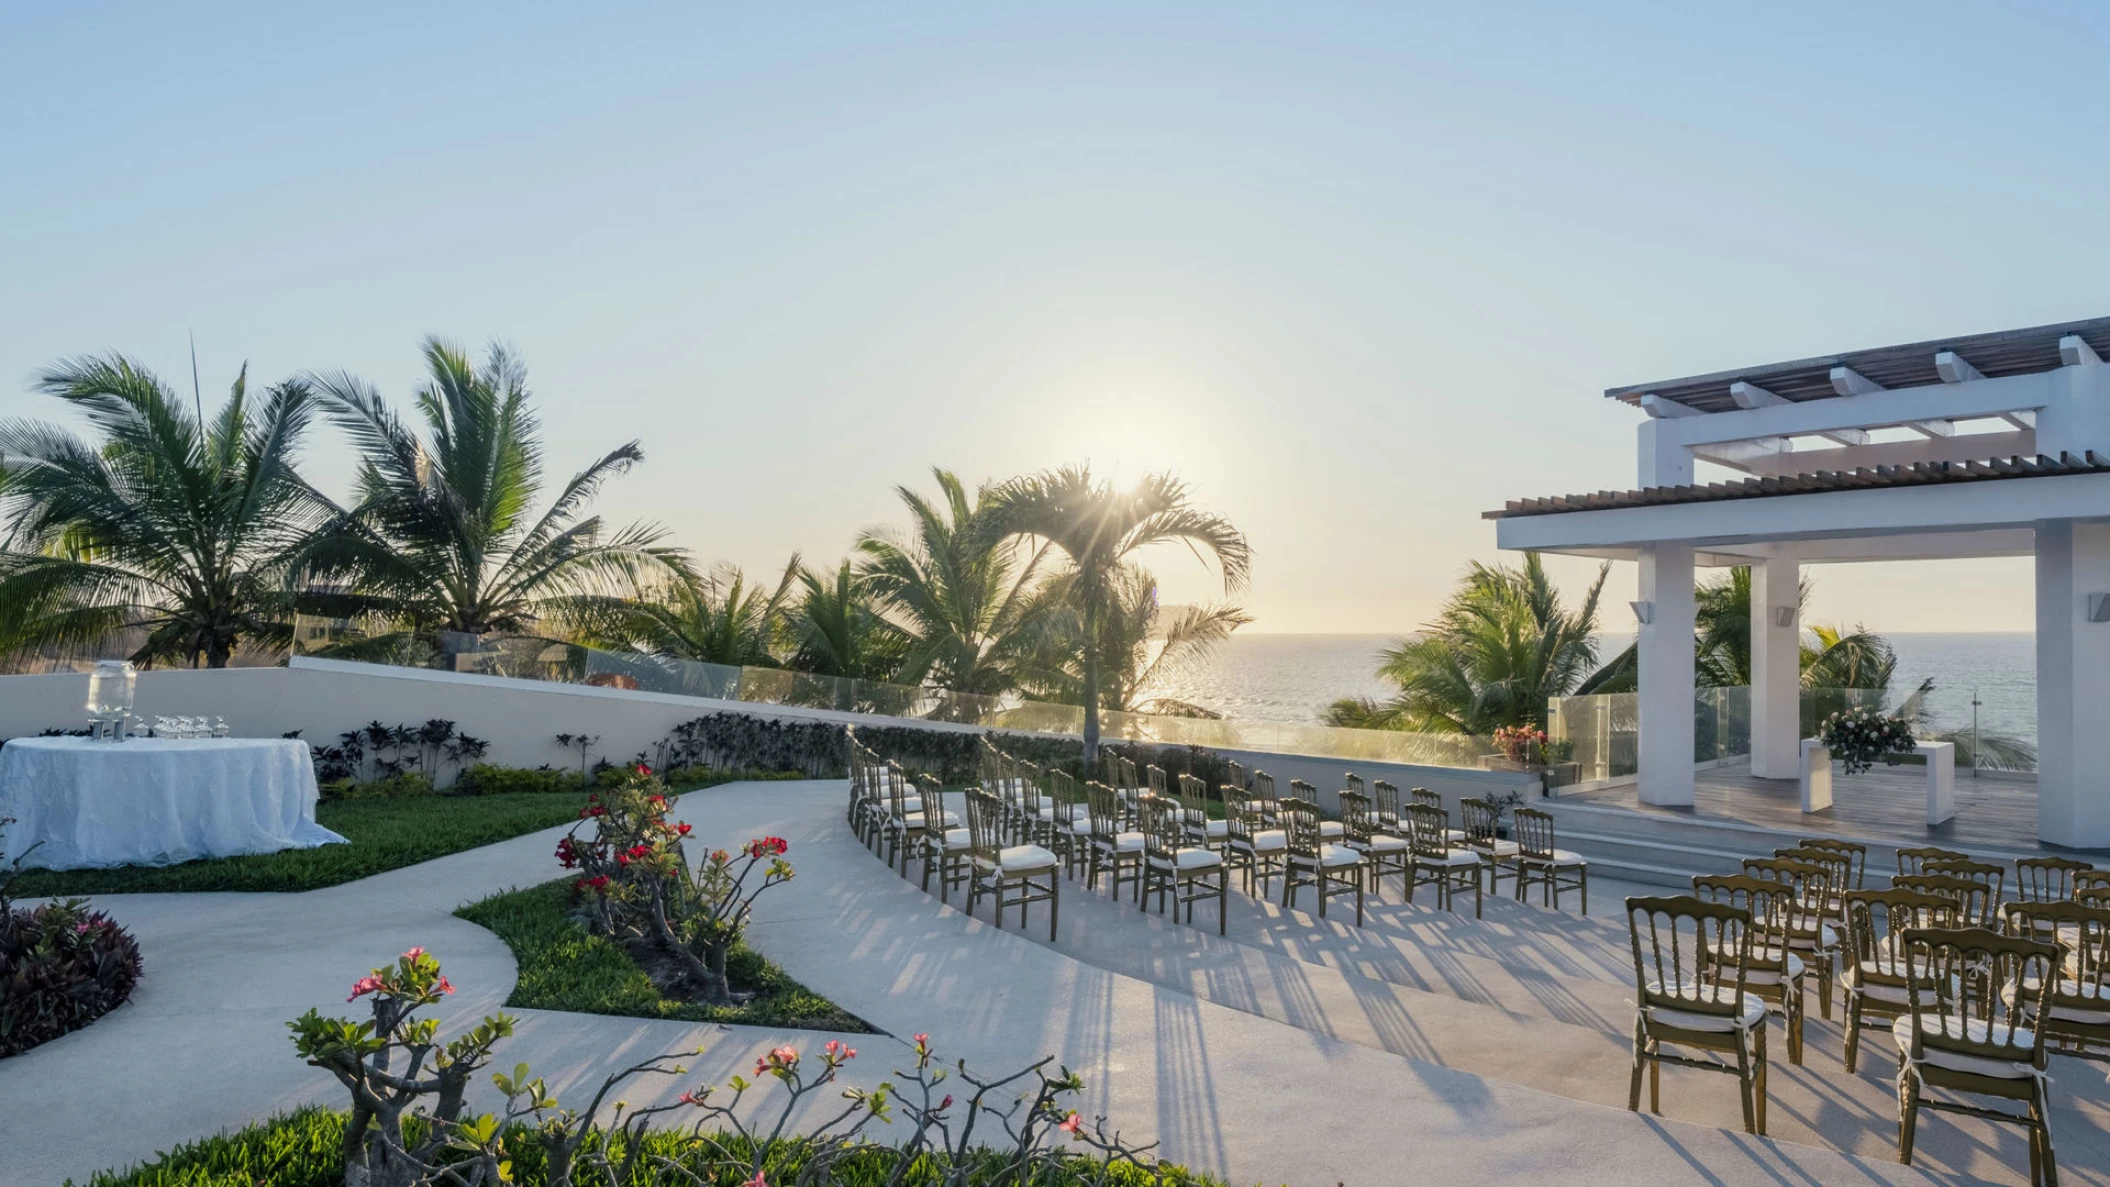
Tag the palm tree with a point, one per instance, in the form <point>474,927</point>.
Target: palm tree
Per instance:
<point>1502,646</point>
<point>1140,643</point>
<point>1098,528</point>
<point>443,537</point>
<point>167,524</point>
<point>964,599</point>
<point>715,619</point>
<point>837,630</point>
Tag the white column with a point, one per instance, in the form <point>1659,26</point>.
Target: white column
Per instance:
<point>2073,685</point>
<point>1666,677</point>
<point>1776,668</point>
<point>1661,463</point>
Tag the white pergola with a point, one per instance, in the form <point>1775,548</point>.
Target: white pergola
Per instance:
<point>1986,445</point>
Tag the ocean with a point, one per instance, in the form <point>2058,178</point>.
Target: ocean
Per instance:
<point>1292,678</point>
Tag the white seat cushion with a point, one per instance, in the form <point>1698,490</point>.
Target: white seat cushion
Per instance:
<point>1829,941</point>
<point>1332,829</point>
<point>1075,812</point>
<point>1382,843</point>
<point>1024,859</point>
<point>1272,840</point>
<point>1978,1031</point>
<point>958,838</point>
<point>1752,1014</point>
<point>1454,836</point>
<point>1338,855</point>
<point>1191,859</point>
<point>1456,858</point>
<point>2069,988</point>
<point>1126,842</point>
<point>1771,976</point>
<point>1562,859</point>
<point>912,803</point>
<point>1218,829</point>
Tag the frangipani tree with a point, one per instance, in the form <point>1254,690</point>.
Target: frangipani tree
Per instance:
<point>184,528</point>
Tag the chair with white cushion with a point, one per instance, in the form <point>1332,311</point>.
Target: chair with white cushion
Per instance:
<point>1483,835</point>
<point>2079,1006</point>
<point>1539,860</point>
<point>1423,795</point>
<point>1312,860</point>
<point>1247,845</point>
<point>1202,829</point>
<point>1974,899</point>
<point>948,851</point>
<point>1435,860</point>
<point>1855,853</point>
<point>2047,879</point>
<point>1773,971</point>
<point>1299,790</point>
<point>1874,973</point>
<point>1066,819</point>
<point>1959,1037</point>
<point>1989,874</point>
<point>1111,847</point>
<point>1172,865</point>
<point>1383,852</point>
<point>1816,937</point>
<point>1025,874</point>
<point>1914,860</point>
<point>1676,940</point>
<point>1265,801</point>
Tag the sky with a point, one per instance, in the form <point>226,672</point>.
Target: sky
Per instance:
<point>1357,273</point>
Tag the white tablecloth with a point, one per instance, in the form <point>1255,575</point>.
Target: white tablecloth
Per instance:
<point>156,801</point>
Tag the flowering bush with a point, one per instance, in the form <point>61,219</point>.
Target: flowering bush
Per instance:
<point>1521,743</point>
<point>1027,1134</point>
<point>62,966</point>
<point>1859,737</point>
<point>638,887</point>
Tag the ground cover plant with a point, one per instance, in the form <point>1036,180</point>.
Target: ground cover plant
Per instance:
<point>565,966</point>
<point>62,966</point>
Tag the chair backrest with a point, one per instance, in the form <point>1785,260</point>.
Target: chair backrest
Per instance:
<point>1973,899</point>
<point>1234,774</point>
<point>1994,876</point>
<point>1428,830</point>
<point>990,760</point>
<point>1856,856</point>
<point>1264,798</point>
<point>1776,913</point>
<point>1104,808</point>
<point>985,837</point>
<point>1155,774</point>
<point>1807,880</point>
<point>2082,934</point>
<point>1194,799</point>
<point>2047,879</point>
<point>1300,824</point>
<point>1358,818</point>
<point>1677,940</point>
<point>1532,830</point>
<point>897,784</point>
<point>1483,820</point>
<point>1240,817</point>
<point>1300,790</point>
<point>1876,918</point>
<point>1163,834</point>
<point>1838,867</point>
<point>1913,861</point>
<point>1027,779</point>
<point>1384,800</point>
<point>1959,980</point>
<point>1423,795</point>
<point>1062,792</point>
<point>1353,782</point>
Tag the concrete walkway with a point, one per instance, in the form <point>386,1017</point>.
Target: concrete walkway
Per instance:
<point>1422,1048</point>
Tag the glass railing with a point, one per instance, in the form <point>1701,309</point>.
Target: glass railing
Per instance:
<point>528,658</point>
<point>1601,733</point>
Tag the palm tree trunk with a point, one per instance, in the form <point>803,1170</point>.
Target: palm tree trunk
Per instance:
<point>1091,684</point>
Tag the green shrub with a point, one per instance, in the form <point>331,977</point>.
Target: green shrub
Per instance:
<point>486,779</point>
<point>399,786</point>
<point>62,966</point>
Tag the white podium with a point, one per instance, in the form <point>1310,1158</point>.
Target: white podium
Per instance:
<point>1941,778</point>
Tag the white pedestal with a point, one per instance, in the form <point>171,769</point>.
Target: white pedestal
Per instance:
<point>1941,780</point>
<point>1816,776</point>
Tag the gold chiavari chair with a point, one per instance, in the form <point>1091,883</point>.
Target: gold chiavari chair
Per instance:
<point>1974,900</point>
<point>1265,801</point>
<point>1385,801</point>
<point>1911,862</point>
<point>1774,971</point>
<point>1383,852</point>
<point>1113,847</point>
<point>1332,830</point>
<point>1875,976</point>
<point>1189,873</point>
<point>2076,1015</point>
<point>1959,1037</point>
<point>904,826</point>
<point>1483,824</point>
<point>1025,874</point>
<point>1423,795</point>
<point>1069,820</point>
<point>1991,874</point>
<point>1856,860</point>
<point>1676,940</point>
<point>1249,846</point>
<point>1312,860</point>
<point>1194,814</point>
<point>1436,860</point>
<point>1540,860</point>
<point>1032,823</point>
<point>1819,944</point>
<point>2047,879</point>
<point>947,851</point>
<point>1838,870</point>
<point>1234,774</point>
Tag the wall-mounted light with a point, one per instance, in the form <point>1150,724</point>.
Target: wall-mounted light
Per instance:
<point>1643,611</point>
<point>2099,607</point>
<point>1783,616</point>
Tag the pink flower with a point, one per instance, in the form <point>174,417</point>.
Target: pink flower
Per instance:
<point>1071,1125</point>
<point>785,1055</point>
<point>922,1039</point>
<point>413,954</point>
<point>446,986</point>
<point>946,1103</point>
<point>364,986</point>
<point>757,1181</point>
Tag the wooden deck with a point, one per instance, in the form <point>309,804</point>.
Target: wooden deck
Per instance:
<point>1885,804</point>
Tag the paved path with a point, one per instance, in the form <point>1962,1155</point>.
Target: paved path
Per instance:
<point>1278,1058</point>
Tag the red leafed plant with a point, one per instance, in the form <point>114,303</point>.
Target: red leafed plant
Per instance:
<point>638,886</point>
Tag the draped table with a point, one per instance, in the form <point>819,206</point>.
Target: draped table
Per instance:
<point>156,801</point>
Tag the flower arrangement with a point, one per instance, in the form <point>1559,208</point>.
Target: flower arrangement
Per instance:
<point>1521,743</point>
<point>1860,737</point>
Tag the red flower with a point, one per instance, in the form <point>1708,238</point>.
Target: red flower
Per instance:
<point>642,769</point>
<point>682,829</point>
<point>364,986</point>
<point>767,847</point>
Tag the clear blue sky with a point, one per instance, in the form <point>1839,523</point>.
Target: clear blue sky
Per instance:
<point>1357,272</point>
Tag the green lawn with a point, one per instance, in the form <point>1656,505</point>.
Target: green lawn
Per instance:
<point>565,967</point>
<point>384,835</point>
